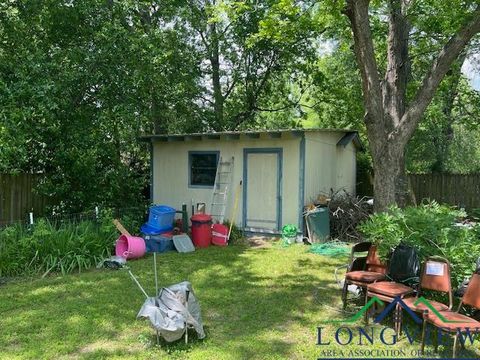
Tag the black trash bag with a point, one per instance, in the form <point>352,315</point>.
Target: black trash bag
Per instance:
<point>404,265</point>
<point>463,286</point>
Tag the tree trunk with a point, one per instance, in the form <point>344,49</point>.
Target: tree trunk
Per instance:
<point>390,181</point>
<point>389,120</point>
<point>218,99</point>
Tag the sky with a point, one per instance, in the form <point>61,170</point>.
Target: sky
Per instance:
<point>471,69</point>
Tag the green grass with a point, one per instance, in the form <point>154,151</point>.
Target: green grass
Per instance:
<point>257,303</point>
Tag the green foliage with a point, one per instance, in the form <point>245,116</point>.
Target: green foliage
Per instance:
<point>63,246</point>
<point>46,248</point>
<point>431,228</point>
<point>443,141</point>
<point>446,139</point>
<point>236,236</point>
<point>79,83</point>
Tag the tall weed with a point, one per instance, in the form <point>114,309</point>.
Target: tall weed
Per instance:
<point>62,247</point>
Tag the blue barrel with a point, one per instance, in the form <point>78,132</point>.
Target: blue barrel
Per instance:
<point>161,218</point>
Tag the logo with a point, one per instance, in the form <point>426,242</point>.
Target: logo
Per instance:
<point>398,301</point>
<point>368,336</point>
<point>391,307</point>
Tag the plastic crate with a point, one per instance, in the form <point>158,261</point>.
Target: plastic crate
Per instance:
<point>159,243</point>
<point>161,217</point>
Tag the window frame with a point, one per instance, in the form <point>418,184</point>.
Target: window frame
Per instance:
<point>201,152</point>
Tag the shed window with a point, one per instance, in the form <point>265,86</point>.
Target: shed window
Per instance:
<point>203,168</point>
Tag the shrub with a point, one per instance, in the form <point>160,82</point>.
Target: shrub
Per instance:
<point>432,229</point>
<point>236,235</point>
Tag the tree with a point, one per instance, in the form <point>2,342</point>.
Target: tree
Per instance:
<point>253,52</point>
<point>391,116</point>
<point>80,82</point>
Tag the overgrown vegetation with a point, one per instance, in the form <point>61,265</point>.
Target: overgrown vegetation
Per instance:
<point>431,228</point>
<point>59,246</point>
<point>236,236</point>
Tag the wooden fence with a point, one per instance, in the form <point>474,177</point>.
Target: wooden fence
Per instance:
<point>453,189</point>
<point>18,197</point>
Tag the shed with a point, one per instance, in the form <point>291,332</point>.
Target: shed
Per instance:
<point>281,171</point>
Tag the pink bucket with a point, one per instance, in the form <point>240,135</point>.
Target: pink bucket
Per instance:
<point>130,247</point>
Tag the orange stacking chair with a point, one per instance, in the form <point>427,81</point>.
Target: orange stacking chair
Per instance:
<point>363,271</point>
<point>435,281</point>
<point>387,291</point>
<point>452,321</point>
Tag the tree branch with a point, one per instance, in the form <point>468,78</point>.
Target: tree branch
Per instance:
<point>357,12</point>
<point>253,94</point>
<point>438,70</point>
<point>204,40</point>
<point>398,68</point>
<point>230,88</point>
<point>290,104</point>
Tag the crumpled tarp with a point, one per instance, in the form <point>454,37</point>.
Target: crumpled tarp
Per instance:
<point>168,314</point>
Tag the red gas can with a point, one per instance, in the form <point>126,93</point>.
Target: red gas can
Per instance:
<point>201,230</point>
<point>219,235</point>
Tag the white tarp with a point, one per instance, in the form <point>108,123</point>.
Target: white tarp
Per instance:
<point>168,313</point>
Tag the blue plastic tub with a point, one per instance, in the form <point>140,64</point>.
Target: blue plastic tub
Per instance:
<point>148,230</point>
<point>158,243</point>
<point>161,217</point>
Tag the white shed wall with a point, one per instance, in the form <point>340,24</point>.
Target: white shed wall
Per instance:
<point>328,166</point>
<point>346,168</point>
<point>171,170</point>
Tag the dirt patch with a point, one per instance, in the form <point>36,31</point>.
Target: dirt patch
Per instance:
<point>258,241</point>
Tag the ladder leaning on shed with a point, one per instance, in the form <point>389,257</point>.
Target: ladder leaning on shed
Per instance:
<point>223,179</point>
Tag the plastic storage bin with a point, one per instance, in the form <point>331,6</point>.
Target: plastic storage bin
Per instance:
<point>318,222</point>
<point>159,243</point>
<point>161,218</point>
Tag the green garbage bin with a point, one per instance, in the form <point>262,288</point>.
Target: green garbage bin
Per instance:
<point>318,225</point>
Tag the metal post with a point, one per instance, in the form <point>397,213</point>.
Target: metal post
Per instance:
<point>156,289</point>
<point>184,218</point>
<point>187,295</point>
<point>155,271</point>
<point>31,218</point>
<point>138,284</point>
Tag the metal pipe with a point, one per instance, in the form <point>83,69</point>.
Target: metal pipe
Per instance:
<point>138,284</point>
<point>155,271</point>
<point>185,218</point>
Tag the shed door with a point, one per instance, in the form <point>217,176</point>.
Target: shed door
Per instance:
<point>262,200</point>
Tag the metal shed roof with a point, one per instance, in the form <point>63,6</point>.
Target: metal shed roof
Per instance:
<point>350,135</point>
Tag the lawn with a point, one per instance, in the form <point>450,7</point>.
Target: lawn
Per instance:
<point>257,303</point>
